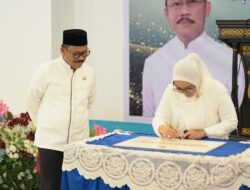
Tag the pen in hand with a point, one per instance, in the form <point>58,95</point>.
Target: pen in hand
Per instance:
<point>183,136</point>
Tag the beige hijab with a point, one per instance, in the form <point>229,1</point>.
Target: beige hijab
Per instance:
<point>191,69</point>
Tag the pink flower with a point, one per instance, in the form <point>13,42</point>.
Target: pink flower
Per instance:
<point>100,130</point>
<point>3,109</point>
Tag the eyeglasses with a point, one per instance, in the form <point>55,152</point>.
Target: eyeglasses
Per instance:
<point>77,55</point>
<point>188,90</point>
<point>177,4</point>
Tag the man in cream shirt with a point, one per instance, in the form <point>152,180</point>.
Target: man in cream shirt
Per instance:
<point>61,93</point>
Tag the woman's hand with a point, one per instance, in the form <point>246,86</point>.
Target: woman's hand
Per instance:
<point>194,134</point>
<point>167,131</point>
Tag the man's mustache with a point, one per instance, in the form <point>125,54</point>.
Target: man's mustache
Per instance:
<point>185,19</point>
<point>79,62</point>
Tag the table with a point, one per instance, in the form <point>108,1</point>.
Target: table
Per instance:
<point>97,164</point>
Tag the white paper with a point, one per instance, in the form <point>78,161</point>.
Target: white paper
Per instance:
<point>183,145</point>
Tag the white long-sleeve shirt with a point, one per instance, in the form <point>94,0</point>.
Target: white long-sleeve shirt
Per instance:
<point>58,103</point>
<point>213,111</point>
<point>157,73</point>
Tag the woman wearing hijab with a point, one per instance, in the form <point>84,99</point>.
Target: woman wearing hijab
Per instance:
<point>195,105</point>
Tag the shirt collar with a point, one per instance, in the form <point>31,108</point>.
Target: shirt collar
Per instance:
<point>196,44</point>
<point>64,64</point>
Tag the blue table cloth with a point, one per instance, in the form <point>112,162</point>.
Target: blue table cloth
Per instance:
<point>189,164</point>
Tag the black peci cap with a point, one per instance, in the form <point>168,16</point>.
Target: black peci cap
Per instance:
<point>75,37</point>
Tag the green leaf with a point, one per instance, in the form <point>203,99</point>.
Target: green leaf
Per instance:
<point>92,132</point>
<point>9,116</point>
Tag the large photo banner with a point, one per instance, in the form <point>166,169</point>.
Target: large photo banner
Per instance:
<point>153,30</point>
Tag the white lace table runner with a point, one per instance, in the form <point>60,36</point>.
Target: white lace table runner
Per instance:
<point>155,170</point>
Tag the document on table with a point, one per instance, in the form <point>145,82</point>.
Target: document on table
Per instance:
<point>183,145</point>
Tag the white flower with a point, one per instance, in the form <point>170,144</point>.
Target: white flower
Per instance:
<point>4,175</point>
<point>12,148</point>
<point>22,174</point>
<point>27,171</point>
<point>30,147</point>
<point>30,176</point>
<point>16,155</point>
<point>19,177</point>
<point>31,127</point>
<point>16,128</point>
<point>13,156</point>
<point>10,155</point>
<point>22,186</point>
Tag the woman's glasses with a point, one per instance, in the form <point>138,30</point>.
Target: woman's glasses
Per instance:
<point>188,90</point>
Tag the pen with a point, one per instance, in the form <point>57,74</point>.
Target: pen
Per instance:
<point>185,131</point>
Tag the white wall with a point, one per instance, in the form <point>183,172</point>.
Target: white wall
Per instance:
<point>104,22</point>
<point>25,38</point>
<point>31,33</point>
<point>62,17</point>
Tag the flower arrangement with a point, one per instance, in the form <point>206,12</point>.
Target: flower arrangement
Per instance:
<point>97,130</point>
<point>18,155</point>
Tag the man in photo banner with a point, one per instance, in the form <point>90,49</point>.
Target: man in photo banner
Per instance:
<point>187,18</point>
